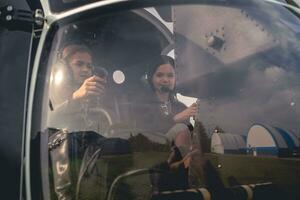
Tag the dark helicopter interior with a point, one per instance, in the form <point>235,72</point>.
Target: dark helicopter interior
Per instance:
<point>114,39</point>
<point>124,45</point>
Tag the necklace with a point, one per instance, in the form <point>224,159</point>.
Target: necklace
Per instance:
<point>166,107</point>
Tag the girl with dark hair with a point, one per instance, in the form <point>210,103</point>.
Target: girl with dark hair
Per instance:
<point>159,110</point>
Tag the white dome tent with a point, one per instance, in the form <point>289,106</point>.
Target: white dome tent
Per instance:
<point>228,143</point>
<point>268,140</point>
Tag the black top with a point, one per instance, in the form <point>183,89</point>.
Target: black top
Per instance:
<point>152,115</point>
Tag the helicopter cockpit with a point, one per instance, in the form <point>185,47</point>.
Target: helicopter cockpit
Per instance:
<point>111,41</point>
<point>139,104</point>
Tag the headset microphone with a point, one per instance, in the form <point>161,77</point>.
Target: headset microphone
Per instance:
<point>165,89</point>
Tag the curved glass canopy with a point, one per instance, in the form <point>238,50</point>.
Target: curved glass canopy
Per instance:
<point>135,107</point>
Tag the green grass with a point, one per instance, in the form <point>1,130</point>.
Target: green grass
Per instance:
<point>243,169</point>
<point>232,169</point>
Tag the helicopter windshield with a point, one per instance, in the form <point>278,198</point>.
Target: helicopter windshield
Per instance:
<point>141,104</point>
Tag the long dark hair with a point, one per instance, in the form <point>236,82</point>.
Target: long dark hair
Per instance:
<point>153,68</point>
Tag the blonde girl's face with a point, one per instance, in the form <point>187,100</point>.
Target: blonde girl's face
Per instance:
<point>81,66</point>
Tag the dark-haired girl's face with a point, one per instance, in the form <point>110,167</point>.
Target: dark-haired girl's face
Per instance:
<point>164,77</point>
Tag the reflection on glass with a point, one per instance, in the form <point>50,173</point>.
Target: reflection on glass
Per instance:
<point>127,124</point>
